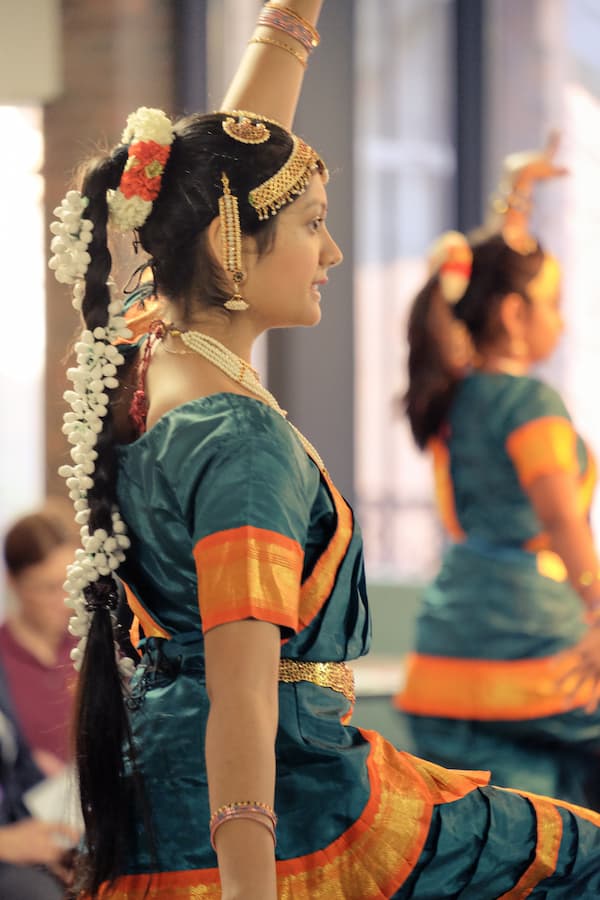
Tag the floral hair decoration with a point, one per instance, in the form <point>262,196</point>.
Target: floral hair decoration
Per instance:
<point>451,258</point>
<point>95,373</point>
<point>149,133</point>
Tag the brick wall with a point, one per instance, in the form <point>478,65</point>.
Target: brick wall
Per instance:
<point>117,55</point>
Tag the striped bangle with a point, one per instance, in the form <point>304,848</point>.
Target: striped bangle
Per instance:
<point>243,809</point>
<point>273,43</point>
<point>286,20</point>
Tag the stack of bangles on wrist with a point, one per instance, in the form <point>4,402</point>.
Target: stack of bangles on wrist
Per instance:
<point>290,23</point>
<point>244,809</point>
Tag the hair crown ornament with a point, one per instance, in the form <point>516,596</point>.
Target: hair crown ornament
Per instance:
<point>292,178</point>
<point>245,131</point>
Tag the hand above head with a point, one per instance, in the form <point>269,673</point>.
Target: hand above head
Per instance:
<point>524,168</point>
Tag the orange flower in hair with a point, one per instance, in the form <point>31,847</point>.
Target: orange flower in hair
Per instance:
<point>149,134</point>
<point>144,169</point>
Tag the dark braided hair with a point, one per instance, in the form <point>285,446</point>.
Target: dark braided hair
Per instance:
<point>185,273</point>
<point>498,270</point>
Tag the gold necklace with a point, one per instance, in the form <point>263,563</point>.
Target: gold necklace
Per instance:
<point>242,373</point>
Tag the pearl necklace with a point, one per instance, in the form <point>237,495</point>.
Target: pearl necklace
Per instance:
<point>242,373</point>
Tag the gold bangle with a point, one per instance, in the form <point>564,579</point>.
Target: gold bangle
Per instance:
<point>273,43</point>
<point>316,38</point>
<point>587,578</point>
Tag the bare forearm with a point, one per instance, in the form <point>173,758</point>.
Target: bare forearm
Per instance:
<point>240,757</point>
<point>572,540</point>
<point>268,79</point>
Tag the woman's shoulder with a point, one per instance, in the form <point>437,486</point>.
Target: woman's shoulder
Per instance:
<point>506,402</point>
<point>206,425</point>
<point>532,398</point>
<point>526,391</point>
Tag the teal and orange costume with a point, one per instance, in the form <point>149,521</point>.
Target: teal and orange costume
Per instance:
<point>499,626</point>
<point>231,519</point>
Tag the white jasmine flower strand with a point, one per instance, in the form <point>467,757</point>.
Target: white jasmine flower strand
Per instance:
<point>92,378</point>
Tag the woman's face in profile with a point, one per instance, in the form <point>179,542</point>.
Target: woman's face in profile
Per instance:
<point>545,323</point>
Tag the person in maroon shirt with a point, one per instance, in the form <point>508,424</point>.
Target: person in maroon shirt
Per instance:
<point>35,645</point>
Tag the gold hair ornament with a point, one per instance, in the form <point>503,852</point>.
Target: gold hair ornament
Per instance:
<point>245,131</point>
<point>231,242</point>
<point>289,182</point>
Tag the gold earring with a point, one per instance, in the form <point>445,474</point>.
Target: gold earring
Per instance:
<point>231,242</point>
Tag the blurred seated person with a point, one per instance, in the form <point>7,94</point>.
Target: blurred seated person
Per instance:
<point>34,855</point>
<point>34,641</point>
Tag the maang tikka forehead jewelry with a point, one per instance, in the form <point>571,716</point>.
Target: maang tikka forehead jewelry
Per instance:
<point>231,242</point>
<point>291,179</point>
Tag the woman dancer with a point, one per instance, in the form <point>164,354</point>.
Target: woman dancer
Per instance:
<point>516,602</point>
<point>242,778</point>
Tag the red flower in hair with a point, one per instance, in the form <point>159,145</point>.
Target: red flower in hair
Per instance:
<point>143,170</point>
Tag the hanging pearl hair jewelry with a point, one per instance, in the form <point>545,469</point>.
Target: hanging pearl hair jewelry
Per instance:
<point>241,372</point>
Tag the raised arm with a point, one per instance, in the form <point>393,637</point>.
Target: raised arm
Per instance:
<point>269,77</point>
<point>512,202</point>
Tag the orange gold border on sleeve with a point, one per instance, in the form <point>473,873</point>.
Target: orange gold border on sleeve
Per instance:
<point>248,573</point>
<point>542,447</point>
<point>491,689</point>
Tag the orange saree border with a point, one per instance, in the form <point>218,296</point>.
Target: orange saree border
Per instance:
<point>549,837</point>
<point>141,617</point>
<point>370,860</point>
<point>550,830</point>
<point>248,573</point>
<point>588,814</point>
<point>444,490</point>
<point>319,584</point>
<point>543,446</point>
<point>491,689</point>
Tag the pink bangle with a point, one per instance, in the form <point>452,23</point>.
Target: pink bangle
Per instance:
<point>285,20</point>
<point>246,809</point>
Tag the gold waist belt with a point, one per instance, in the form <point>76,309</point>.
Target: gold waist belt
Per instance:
<point>335,675</point>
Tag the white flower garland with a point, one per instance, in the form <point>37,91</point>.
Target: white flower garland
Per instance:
<point>72,234</point>
<point>146,124</point>
<point>94,375</point>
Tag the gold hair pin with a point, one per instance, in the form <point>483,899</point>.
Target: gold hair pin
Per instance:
<point>245,131</point>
